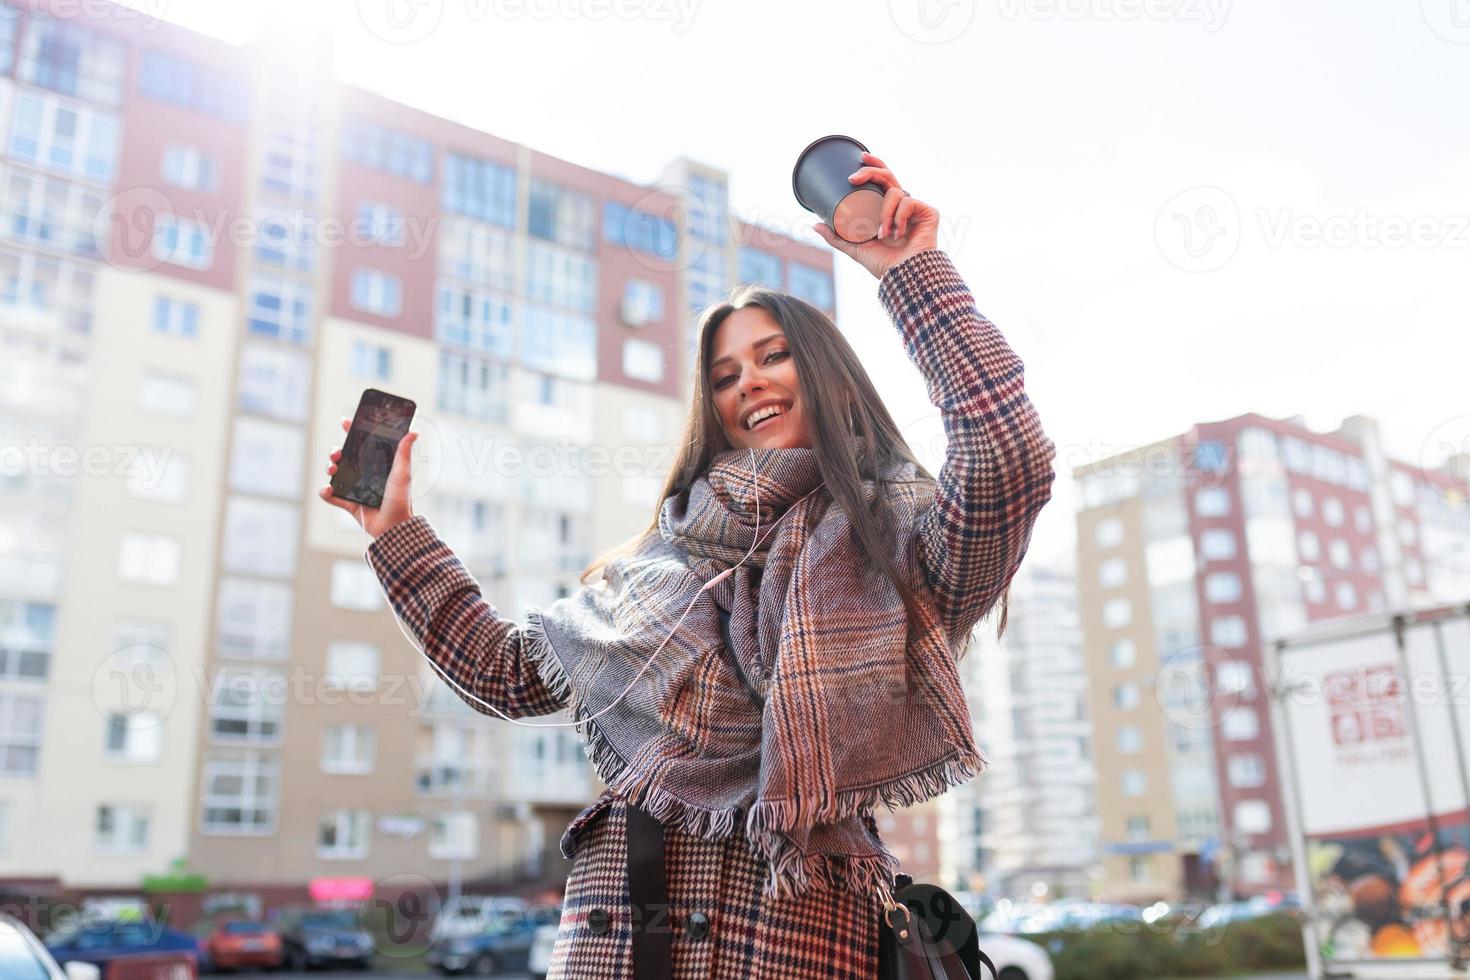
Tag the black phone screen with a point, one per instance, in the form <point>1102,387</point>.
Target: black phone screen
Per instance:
<point>380,424</point>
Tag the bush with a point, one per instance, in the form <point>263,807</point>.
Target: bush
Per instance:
<point>1132,951</point>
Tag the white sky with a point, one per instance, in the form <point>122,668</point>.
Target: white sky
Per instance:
<point>1054,136</point>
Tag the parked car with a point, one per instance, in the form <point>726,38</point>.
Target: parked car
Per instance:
<point>232,943</point>
<point>468,915</point>
<point>314,936</point>
<point>89,940</point>
<point>1016,958</point>
<point>503,944</point>
<point>24,957</point>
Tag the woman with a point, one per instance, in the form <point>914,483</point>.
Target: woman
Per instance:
<point>817,678</point>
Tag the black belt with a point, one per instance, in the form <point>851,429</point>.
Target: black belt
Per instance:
<point>648,898</point>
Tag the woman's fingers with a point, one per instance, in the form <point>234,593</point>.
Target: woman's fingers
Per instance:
<point>901,217</point>
<point>891,200</point>
<point>881,177</point>
<point>346,423</point>
<point>352,507</point>
<point>869,158</point>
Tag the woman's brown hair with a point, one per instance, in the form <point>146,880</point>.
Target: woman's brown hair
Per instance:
<point>839,398</point>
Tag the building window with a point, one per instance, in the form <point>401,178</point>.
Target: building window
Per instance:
<point>175,81</point>
<point>1332,512</point>
<point>454,835</point>
<point>643,303</point>
<point>280,309</point>
<point>475,320</point>
<point>175,317</point>
<point>1228,631</point>
<point>561,277</point>
<point>55,214</point>
<point>267,458</point>
<point>166,395</point>
<point>376,292</point>
<point>1129,740</point>
<point>1212,501</point>
<point>482,189</point>
<point>1112,572</point>
<point>1246,771</point>
<point>284,239</point>
<point>121,828</point>
<point>246,707</point>
<point>1368,557</point>
<point>1347,595</point>
<point>1140,869</point>
<point>260,537</point>
<point>1339,553</point>
<point>1222,587</point>
<point>166,480</point>
<point>474,387</point>
<point>290,153</point>
<point>135,737</point>
<point>1123,653</point>
<point>149,559</point>
<point>759,268</point>
<point>370,361</point>
<point>190,168</point>
<point>559,214</point>
<point>240,795</point>
<point>1235,677</point>
<point>64,57</point>
<point>1301,502</point>
<point>74,141</point>
<point>643,360</point>
<point>1408,532</point>
<point>1241,724</point>
<point>9,29</point>
<point>1308,546</point>
<point>389,150</point>
<point>1117,613</point>
<point>1125,695</point>
<point>352,665</point>
<point>1362,519</point>
<point>355,586</point>
<point>274,381</point>
<point>559,343</point>
<point>477,253</point>
<point>27,639</point>
<point>60,288</point>
<point>1138,827</point>
<point>348,749</point>
<point>1217,544</point>
<point>1109,532</point>
<point>812,285</point>
<point>1253,817</point>
<point>379,224</point>
<point>1134,782</point>
<point>181,241</point>
<point>254,619</point>
<point>343,834</point>
<point>639,230</point>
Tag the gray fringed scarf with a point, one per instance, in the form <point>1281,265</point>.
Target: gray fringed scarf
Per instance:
<point>830,702</point>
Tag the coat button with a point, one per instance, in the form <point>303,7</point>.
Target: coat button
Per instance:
<point>598,921</point>
<point>697,925</point>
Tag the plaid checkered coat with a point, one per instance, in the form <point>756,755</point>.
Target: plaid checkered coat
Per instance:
<point>996,476</point>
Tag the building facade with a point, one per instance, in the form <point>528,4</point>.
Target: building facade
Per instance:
<point>207,252</point>
<point>1192,554</point>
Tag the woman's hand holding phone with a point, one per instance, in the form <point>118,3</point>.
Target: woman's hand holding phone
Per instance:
<point>397,501</point>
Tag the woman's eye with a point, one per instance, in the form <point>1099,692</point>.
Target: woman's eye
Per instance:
<point>730,377</point>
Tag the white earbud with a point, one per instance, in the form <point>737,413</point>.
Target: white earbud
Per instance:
<point>577,724</point>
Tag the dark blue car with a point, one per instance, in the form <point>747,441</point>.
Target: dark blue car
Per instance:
<point>101,942</point>
<point>504,944</point>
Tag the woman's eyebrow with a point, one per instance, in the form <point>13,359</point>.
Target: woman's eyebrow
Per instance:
<point>755,346</point>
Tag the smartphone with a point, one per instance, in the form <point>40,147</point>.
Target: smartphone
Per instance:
<point>380,424</point>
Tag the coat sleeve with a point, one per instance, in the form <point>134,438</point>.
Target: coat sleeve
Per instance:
<point>997,472</point>
<point>439,602</point>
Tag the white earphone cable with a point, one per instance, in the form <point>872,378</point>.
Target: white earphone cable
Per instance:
<point>755,475</point>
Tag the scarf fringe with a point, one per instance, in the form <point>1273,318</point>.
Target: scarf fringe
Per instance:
<point>793,871</point>
<point>671,811</point>
<point>916,787</point>
<point>536,645</point>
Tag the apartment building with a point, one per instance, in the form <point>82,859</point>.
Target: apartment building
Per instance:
<point>207,252</point>
<point>1192,554</point>
<point>1026,827</point>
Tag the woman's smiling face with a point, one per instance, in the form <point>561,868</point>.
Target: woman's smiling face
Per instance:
<point>751,366</point>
